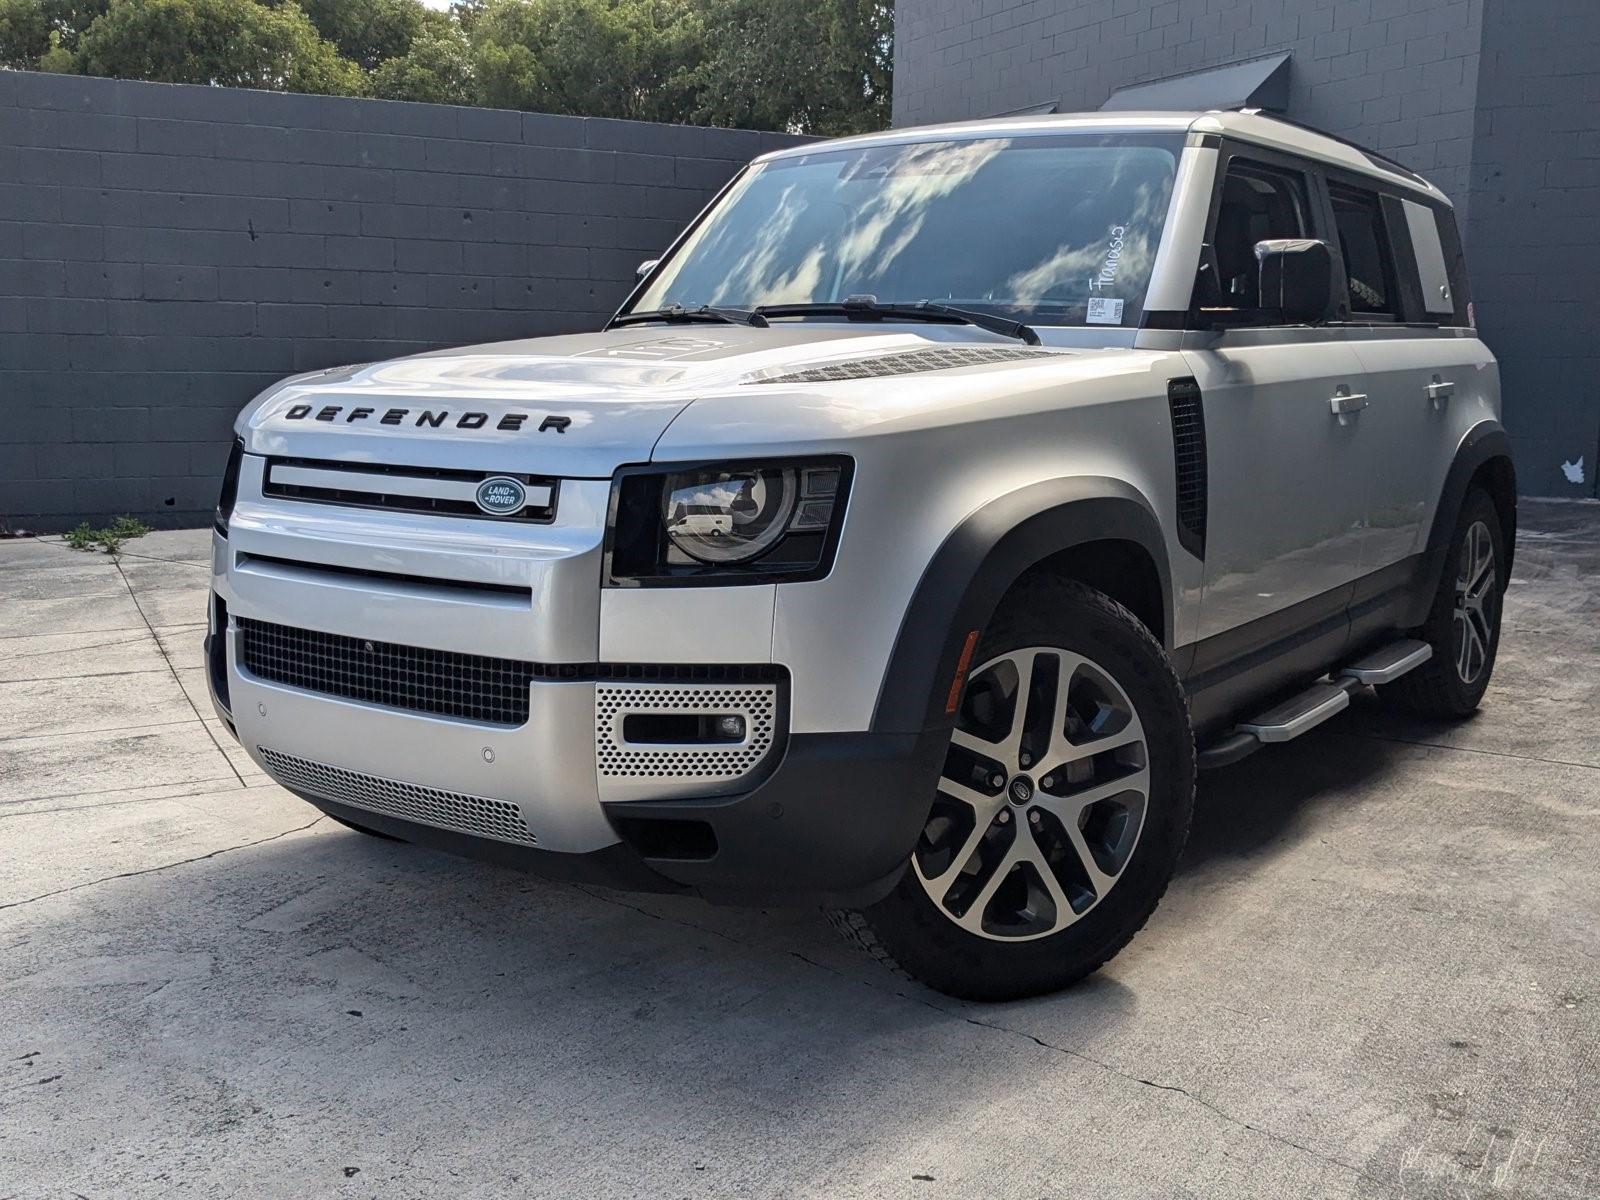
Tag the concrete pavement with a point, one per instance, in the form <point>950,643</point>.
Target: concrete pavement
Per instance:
<point>1377,974</point>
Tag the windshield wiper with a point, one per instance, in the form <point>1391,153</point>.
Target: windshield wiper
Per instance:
<point>701,312</point>
<point>867,308</point>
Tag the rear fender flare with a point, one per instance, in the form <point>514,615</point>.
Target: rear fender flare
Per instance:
<point>1484,443</point>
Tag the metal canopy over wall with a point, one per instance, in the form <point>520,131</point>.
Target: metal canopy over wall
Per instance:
<point>1261,83</point>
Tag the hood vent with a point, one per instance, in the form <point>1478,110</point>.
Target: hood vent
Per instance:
<point>913,362</point>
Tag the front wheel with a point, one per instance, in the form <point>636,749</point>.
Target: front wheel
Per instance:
<point>1061,812</point>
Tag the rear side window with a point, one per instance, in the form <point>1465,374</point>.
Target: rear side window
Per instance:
<point>1258,204</point>
<point>1368,254</point>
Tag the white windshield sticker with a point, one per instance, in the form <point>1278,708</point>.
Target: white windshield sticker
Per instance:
<point>1103,311</point>
<point>1108,273</point>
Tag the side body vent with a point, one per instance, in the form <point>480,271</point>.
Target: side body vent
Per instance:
<point>1189,457</point>
<point>913,362</point>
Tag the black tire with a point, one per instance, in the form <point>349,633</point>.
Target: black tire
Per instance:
<point>1439,689</point>
<point>387,837</point>
<point>909,932</point>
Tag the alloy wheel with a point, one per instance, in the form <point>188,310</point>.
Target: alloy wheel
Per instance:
<point>1042,799</point>
<point>1477,592</point>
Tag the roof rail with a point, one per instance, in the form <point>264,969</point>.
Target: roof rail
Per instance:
<point>1381,159</point>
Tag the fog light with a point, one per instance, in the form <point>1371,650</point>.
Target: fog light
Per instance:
<point>683,729</point>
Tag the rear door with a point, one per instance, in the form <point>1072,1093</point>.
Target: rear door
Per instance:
<point>1408,307</point>
<point>1286,501</point>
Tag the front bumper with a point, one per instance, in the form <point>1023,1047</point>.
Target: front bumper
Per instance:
<point>828,817</point>
<point>833,825</point>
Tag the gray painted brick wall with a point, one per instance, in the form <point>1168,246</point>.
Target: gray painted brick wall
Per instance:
<point>1497,101</point>
<point>1535,232</point>
<point>1398,75</point>
<point>168,251</point>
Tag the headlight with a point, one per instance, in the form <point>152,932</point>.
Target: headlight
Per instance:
<point>728,523</point>
<point>728,516</point>
<point>230,488</point>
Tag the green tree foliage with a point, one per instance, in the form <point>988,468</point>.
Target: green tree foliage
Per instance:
<point>368,32</point>
<point>599,58</point>
<point>437,69</point>
<point>235,43</point>
<point>806,66</point>
<point>70,18</point>
<point>24,33</point>
<point>819,68</point>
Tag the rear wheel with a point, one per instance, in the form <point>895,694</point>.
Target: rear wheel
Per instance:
<point>1463,626</point>
<point>1063,806</point>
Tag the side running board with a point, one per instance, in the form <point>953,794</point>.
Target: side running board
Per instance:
<point>1324,699</point>
<point>1388,664</point>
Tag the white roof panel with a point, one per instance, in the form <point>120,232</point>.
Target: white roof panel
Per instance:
<point>1260,128</point>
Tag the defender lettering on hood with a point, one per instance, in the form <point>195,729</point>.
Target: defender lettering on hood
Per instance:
<point>511,422</point>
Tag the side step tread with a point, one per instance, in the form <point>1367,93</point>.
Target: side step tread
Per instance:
<point>1391,662</point>
<point>1322,700</point>
<point>1296,715</point>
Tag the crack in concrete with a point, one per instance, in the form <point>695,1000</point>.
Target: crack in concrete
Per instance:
<point>112,790</point>
<point>176,678</point>
<point>1402,741</point>
<point>644,912</point>
<point>77,646</point>
<point>14,637</point>
<point>182,562</point>
<point>1108,1068</point>
<point>1201,1101</point>
<point>91,675</point>
<point>1269,1134</point>
<point>184,862</point>
<point>31,737</point>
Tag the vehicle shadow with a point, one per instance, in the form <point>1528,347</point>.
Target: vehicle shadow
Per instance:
<point>1252,809</point>
<point>284,1011</point>
<point>331,999</point>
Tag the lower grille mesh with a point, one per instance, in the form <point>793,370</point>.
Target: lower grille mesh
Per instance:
<point>443,682</point>
<point>498,819</point>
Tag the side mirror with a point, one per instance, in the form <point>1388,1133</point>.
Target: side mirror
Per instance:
<point>1296,279</point>
<point>644,268</point>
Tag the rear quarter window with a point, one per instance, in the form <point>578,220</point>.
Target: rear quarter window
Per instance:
<point>1368,251</point>
<point>1455,263</point>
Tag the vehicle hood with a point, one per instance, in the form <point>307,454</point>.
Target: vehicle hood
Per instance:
<point>574,406</point>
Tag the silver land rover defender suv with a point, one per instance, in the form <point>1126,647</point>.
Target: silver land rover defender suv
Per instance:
<point>934,507</point>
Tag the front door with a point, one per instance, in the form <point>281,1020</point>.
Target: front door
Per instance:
<point>1287,496</point>
<point>1284,432</point>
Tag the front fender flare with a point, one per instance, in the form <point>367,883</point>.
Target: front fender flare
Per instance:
<point>980,561</point>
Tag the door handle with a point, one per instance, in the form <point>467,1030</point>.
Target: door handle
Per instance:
<point>1440,392</point>
<point>1346,403</point>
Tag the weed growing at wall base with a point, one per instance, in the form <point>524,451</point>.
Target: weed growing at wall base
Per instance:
<point>110,539</point>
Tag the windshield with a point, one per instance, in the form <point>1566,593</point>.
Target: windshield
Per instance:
<point>1058,230</point>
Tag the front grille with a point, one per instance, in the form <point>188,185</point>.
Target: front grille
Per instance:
<point>445,683</point>
<point>911,362</point>
<point>438,491</point>
<point>471,687</point>
<point>498,819</point>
